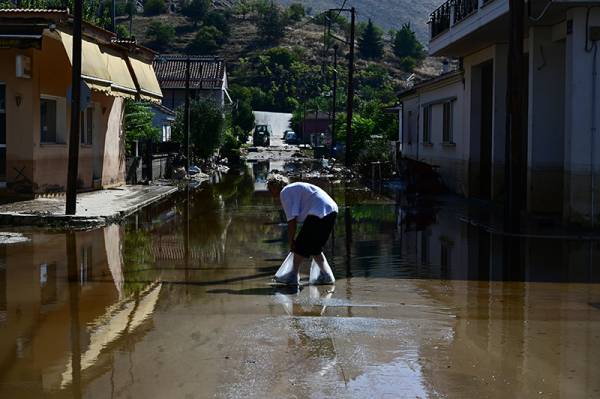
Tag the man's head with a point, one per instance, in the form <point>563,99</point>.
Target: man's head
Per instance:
<point>275,183</point>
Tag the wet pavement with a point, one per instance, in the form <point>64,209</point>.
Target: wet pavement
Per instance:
<point>426,304</point>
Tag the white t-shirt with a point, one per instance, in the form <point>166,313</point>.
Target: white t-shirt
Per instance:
<point>302,199</point>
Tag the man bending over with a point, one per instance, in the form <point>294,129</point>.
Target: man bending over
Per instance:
<point>307,204</point>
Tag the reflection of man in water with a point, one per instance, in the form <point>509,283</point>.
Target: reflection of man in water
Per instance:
<point>307,204</point>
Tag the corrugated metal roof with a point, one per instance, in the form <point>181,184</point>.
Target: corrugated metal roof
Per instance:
<point>206,72</point>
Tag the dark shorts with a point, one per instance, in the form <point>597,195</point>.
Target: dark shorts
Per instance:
<point>314,234</point>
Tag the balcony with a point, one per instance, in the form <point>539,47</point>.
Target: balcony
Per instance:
<point>456,19</point>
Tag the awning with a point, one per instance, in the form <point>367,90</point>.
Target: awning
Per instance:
<point>122,82</point>
<point>94,63</point>
<point>146,78</point>
<point>104,70</point>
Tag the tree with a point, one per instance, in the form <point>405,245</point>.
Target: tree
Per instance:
<point>196,10</point>
<point>219,20</point>
<point>160,34</point>
<point>370,42</point>
<point>271,25</point>
<point>206,127</point>
<point>296,12</point>
<point>207,41</point>
<point>407,47</point>
<point>137,123</point>
<point>154,7</point>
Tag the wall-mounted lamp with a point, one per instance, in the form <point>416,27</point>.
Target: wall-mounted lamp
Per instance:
<point>18,100</point>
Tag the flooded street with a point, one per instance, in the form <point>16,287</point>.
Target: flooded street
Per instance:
<point>425,305</point>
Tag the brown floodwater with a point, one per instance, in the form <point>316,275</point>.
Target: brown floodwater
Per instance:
<point>177,303</point>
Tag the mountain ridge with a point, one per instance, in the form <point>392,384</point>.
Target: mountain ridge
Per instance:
<point>387,14</point>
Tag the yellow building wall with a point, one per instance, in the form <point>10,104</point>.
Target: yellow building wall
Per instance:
<point>101,164</point>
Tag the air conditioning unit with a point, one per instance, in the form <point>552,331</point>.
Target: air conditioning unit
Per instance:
<point>23,66</point>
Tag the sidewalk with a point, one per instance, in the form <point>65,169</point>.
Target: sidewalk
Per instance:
<point>96,208</point>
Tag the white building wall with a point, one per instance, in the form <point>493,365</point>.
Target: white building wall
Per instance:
<point>451,158</point>
<point>545,145</point>
<point>579,120</point>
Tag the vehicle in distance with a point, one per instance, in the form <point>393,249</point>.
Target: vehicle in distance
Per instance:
<point>291,137</point>
<point>262,136</point>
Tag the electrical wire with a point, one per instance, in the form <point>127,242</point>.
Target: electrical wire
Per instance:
<point>544,11</point>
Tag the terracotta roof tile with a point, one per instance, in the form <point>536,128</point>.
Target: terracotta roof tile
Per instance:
<point>206,72</point>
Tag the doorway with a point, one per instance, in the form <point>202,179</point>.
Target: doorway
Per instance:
<point>481,122</point>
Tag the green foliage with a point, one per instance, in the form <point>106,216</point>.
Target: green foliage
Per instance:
<point>207,41</point>
<point>154,7</point>
<point>220,20</point>
<point>408,63</point>
<point>271,25</point>
<point>137,123</point>
<point>206,127</point>
<point>123,32</point>
<point>370,42</point>
<point>407,47</point>
<point>94,11</point>
<point>295,12</point>
<point>160,34</point>
<point>242,115</point>
<point>196,9</point>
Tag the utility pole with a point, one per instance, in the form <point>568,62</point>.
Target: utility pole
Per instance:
<point>350,99</point>
<point>186,127</point>
<point>334,105</point>
<point>515,104</point>
<point>114,16</point>
<point>71,205</point>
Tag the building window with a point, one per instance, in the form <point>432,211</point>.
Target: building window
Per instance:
<point>48,120</point>
<point>87,126</point>
<point>427,124</point>
<point>448,134</point>
<point>52,120</point>
<point>166,133</point>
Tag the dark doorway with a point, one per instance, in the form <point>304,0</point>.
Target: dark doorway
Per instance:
<point>487,117</point>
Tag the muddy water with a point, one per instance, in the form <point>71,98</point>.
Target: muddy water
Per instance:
<point>425,305</point>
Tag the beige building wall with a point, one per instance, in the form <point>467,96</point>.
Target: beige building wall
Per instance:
<point>44,165</point>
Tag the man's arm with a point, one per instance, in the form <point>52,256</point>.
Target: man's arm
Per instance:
<point>292,232</point>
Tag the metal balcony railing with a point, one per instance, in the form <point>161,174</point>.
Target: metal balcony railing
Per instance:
<point>451,13</point>
<point>464,8</point>
<point>440,19</point>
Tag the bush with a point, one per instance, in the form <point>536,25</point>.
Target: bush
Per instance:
<point>206,127</point>
<point>154,7</point>
<point>271,25</point>
<point>219,20</point>
<point>408,63</point>
<point>123,32</point>
<point>160,34</point>
<point>196,10</point>
<point>137,123</point>
<point>295,12</point>
<point>207,41</point>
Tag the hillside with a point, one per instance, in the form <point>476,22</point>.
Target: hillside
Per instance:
<point>388,14</point>
<point>243,43</point>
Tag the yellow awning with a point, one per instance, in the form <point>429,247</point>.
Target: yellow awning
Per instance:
<point>122,82</point>
<point>104,71</point>
<point>146,78</point>
<point>94,63</point>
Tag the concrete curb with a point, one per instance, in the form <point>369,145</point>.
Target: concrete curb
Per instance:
<point>77,221</point>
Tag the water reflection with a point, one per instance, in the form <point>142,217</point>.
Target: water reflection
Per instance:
<point>422,296</point>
